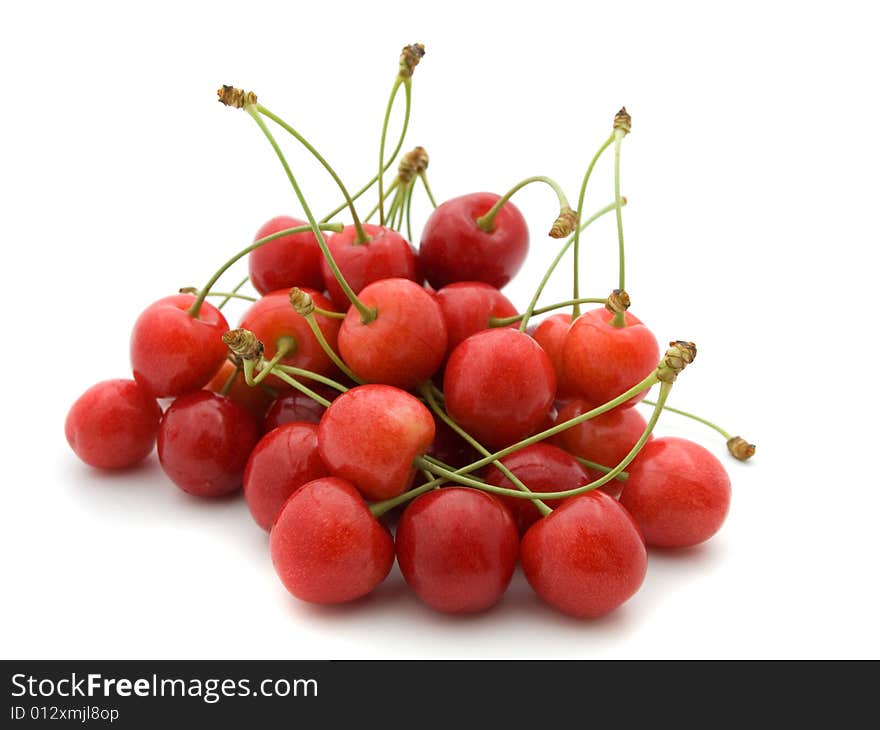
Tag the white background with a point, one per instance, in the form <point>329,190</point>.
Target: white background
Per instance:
<point>751,173</point>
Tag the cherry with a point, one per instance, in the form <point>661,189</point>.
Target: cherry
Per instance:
<point>406,342</point>
<point>586,558</point>
<point>371,436</point>
<point>113,424</point>
<point>450,448</point>
<point>326,546</point>
<point>296,407</point>
<point>173,353</point>
<point>292,260</point>
<point>277,325</point>
<point>386,255</point>
<point>468,307</point>
<point>255,400</point>
<point>455,248</point>
<point>601,361</point>
<point>283,460</point>
<point>542,468</point>
<point>499,386</point>
<point>550,335</point>
<point>457,549</point>
<point>677,491</point>
<point>204,443</point>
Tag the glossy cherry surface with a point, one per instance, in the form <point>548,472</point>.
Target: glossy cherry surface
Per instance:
<point>499,386</point>
<point>254,399</point>
<point>297,407</point>
<point>283,460</point>
<point>677,492</point>
<point>292,260</point>
<point>204,443</point>
<point>586,558</point>
<point>113,424</point>
<point>173,353</point>
<point>457,549</point>
<point>326,546</point>
<point>550,335</point>
<point>468,306</point>
<point>454,248</point>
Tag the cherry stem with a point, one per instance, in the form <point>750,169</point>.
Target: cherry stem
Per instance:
<point>230,295</point>
<point>299,386</point>
<point>286,345</point>
<point>409,196</point>
<point>621,477</point>
<point>325,346</point>
<point>196,305</point>
<point>407,85</point>
<point>367,314</point>
<point>388,192</point>
<point>487,221</point>
<point>330,314</point>
<point>234,291</point>
<point>227,386</point>
<point>572,239</point>
<point>504,321</point>
<point>619,319</point>
<point>362,236</point>
<point>424,178</point>
<point>427,392</point>
<point>317,377</point>
<point>575,292</point>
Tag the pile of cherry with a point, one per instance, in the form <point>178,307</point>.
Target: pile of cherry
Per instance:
<point>377,401</point>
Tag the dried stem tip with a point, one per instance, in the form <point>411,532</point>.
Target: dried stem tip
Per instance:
<point>188,290</point>
<point>236,98</point>
<point>301,302</point>
<point>679,354</point>
<point>411,164</point>
<point>564,224</point>
<point>409,59</point>
<point>618,302</point>
<point>243,344</point>
<point>740,448</point>
<point>622,120</point>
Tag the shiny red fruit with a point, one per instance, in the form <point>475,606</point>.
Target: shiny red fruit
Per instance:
<point>677,492</point>
<point>468,306</point>
<point>404,345</point>
<point>173,353</point>
<point>454,248</point>
<point>326,546</point>
<point>371,436</point>
<point>499,386</point>
<point>601,361</point>
<point>204,443</point>
<point>113,424</point>
<point>542,468</point>
<point>254,399</point>
<point>457,549</point>
<point>282,461</point>
<point>586,558</point>
<point>387,255</point>
<point>297,407</point>
<point>292,260</point>
<point>550,335</point>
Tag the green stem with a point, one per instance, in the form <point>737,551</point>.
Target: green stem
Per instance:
<point>388,191</point>
<point>379,176</point>
<point>230,295</point>
<point>504,321</point>
<point>622,477</point>
<point>286,345</point>
<point>234,291</point>
<point>325,346</point>
<point>317,377</point>
<point>328,313</point>
<point>409,195</point>
<point>300,387</point>
<point>487,221</point>
<point>720,430</point>
<point>227,386</point>
<point>424,179</point>
<point>618,138</point>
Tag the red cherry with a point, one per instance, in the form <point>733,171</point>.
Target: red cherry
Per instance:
<point>450,448</point>
<point>292,260</point>
<point>296,407</point>
<point>326,546</point>
<point>467,307</point>
<point>113,424</point>
<point>454,248</point>
<point>282,461</point>
<point>204,443</point>
<point>542,468</point>
<point>499,386</point>
<point>550,335</point>
<point>677,492</point>
<point>255,400</point>
<point>371,436</point>
<point>586,558</point>
<point>457,549</point>
<point>387,255</point>
<point>272,319</point>
<point>404,345</point>
<point>601,361</point>
<point>173,353</point>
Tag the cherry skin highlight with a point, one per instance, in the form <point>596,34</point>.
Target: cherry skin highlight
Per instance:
<point>542,468</point>
<point>255,400</point>
<point>677,492</point>
<point>371,436</point>
<point>499,386</point>
<point>454,248</point>
<point>296,407</point>
<point>404,345</point>
<point>326,546</point>
<point>282,461</point>
<point>468,306</point>
<point>204,443</point>
<point>601,361</point>
<point>173,353</point>
<point>586,558</point>
<point>113,424</point>
<point>457,549</point>
<point>387,255</point>
<point>292,260</point>
<point>550,335</point>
